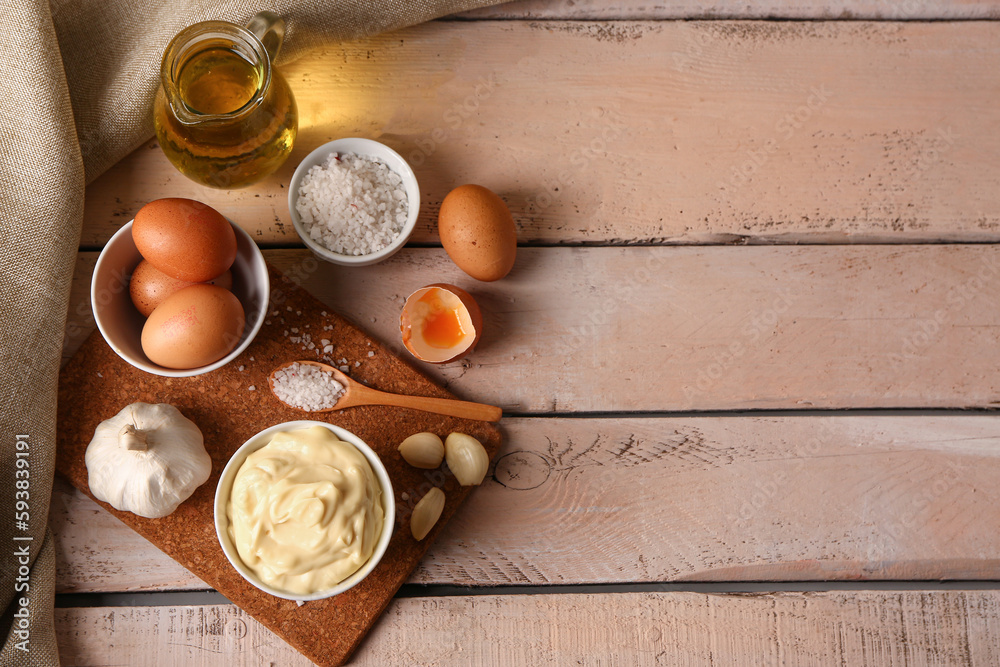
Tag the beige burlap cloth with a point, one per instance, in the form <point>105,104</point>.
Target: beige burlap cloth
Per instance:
<point>77,79</point>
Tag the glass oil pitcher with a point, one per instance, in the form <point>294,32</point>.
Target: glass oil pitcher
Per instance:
<point>223,115</point>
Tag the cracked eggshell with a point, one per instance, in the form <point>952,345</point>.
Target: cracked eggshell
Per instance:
<point>440,323</point>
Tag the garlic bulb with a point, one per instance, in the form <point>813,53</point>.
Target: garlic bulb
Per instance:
<point>147,460</point>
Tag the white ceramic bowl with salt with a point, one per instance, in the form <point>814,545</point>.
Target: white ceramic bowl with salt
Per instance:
<point>367,148</point>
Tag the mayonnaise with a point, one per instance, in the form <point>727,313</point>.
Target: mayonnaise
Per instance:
<point>305,511</point>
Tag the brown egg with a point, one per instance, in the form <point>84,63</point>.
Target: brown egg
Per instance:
<point>193,327</point>
<point>440,323</point>
<point>478,233</point>
<point>184,239</point>
<point>149,286</point>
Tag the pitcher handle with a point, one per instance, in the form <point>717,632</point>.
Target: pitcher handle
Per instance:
<point>270,30</point>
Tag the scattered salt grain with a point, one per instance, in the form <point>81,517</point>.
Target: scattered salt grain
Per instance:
<point>352,204</point>
<point>295,329</point>
<point>370,353</point>
<point>323,313</point>
<point>345,368</point>
<point>327,349</point>
<point>306,387</point>
<point>357,363</point>
<point>241,368</point>
<point>251,388</point>
<point>99,374</point>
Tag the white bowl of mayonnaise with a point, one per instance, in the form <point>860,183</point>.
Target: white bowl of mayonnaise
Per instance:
<point>304,510</point>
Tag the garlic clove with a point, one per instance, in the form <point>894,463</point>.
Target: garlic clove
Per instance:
<point>423,450</point>
<point>467,458</point>
<point>426,513</point>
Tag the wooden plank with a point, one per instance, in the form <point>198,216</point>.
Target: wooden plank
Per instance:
<point>849,628</point>
<point>656,132</point>
<point>687,328</point>
<point>622,500</point>
<point>96,552</point>
<point>636,10</point>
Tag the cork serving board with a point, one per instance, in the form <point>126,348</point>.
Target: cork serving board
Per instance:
<point>231,405</point>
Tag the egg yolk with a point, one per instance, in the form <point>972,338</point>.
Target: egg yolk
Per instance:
<point>442,328</point>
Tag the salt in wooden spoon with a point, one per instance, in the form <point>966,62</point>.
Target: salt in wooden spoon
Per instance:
<point>356,394</point>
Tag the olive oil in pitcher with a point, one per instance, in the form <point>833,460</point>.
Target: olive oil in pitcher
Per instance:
<point>217,81</point>
<point>224,116</point>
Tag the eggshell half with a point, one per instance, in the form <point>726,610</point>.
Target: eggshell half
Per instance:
<point>428,303</point>
<point>184,239</point>
<point>478,233</point>
<point>193,327</point>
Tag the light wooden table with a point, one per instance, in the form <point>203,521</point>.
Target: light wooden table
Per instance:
<point>751,336</point>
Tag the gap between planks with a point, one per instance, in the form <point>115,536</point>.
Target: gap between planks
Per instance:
<point>211,597</point>
<point>607,10</point>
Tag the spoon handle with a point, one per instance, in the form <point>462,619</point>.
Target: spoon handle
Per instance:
<point>441,406</point>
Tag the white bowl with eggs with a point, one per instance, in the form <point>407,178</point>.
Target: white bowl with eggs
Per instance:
<point>121,324</point>
<point>224,491</point>
<point>366,148</point>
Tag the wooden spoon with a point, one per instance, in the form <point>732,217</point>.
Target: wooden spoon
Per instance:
<point>356,394</point>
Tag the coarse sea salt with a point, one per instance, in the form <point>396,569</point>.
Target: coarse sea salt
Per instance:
<point>306,387</point>
<point>352,204</point>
